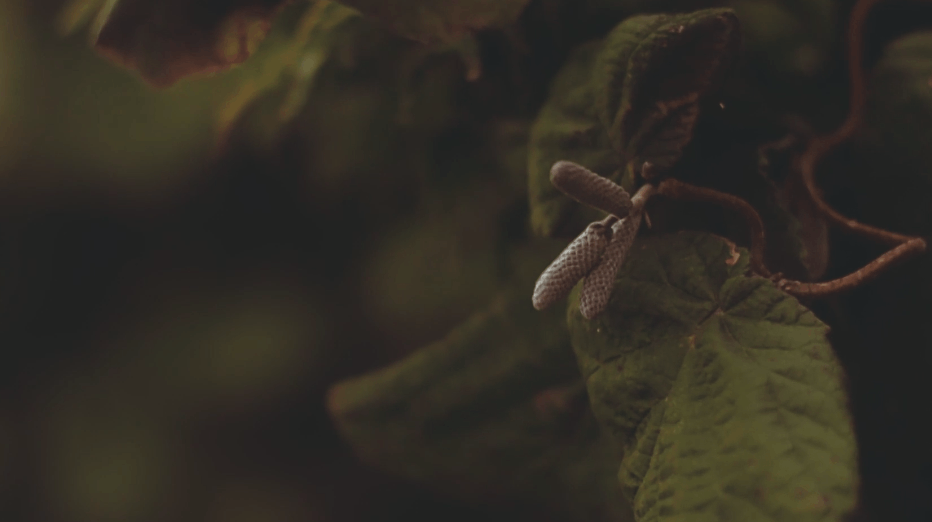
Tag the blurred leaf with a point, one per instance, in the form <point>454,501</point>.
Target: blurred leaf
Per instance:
<point>220,348</point>
<point>440,264</point>
<point>723,390</point>
<point>787,39</point>
<point>254,499</point>
<point>493,411</point>
<point>432,20</point>
<point>166,40</point>
<point>76,13</point>
<point>104,455</point>
<point>14,59</point>
<point>428,81</point>
<point>295,61</point>
<point>897,186</point>
<point>629,99</point>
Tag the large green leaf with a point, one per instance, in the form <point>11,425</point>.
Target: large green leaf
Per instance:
<point>433,20</point>
<point>631,98</point>
<point>166,40</point>
<point>723,390</point>
<point>495,410</point>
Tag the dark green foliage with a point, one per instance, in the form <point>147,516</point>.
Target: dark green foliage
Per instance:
<point>494,410</point>
<point>723,391</point>
<point>651,74</point>
<point>432,20</point>
<point>631,98</point>
<point>568,128</point>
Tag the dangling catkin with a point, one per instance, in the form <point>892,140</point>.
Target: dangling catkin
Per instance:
<point>589,188</point>
<point>571,265</point>
<point>599,284</point>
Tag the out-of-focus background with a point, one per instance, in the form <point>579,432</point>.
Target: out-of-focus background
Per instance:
<point>184,272</point>
<point>178,290</point>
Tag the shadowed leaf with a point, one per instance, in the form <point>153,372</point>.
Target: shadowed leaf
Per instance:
<point>433,20</point>
<point>898,183</point>
<point>633,97</point>
<point>723,390</point>
<point>494,411</point>
<point>651,74</point>
<point>567,128</point>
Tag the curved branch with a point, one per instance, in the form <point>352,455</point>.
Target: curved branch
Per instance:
<point>817,148</point>
<point>679,190</point>
<point>820,146</point>
<point>856,75</point>
<point>902,252</point>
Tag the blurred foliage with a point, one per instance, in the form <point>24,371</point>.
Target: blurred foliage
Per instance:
<point>185,271</point>
<point>788,40</point>
<point>297,57</point>
<point>426,20</point>
<point>168,40</point>
<point>493,410</point>
<point>899,127</point>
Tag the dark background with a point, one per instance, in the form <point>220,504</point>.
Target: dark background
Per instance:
<point>172,312</point>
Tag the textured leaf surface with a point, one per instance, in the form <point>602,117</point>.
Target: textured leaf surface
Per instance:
<point>723,391</point>
<point>495,410</point>
<point>651,74</point>
<point>437,20</point>
<point>166,40</point>
<point>631,98</point>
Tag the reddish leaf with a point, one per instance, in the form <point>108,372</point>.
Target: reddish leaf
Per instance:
<point>166,40</point>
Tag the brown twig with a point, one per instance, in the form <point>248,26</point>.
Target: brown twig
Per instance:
<point>870,271</point>
<point>856,76</point>
<point>679,190</point>
<point>676,189</point>
<point>820,146</point>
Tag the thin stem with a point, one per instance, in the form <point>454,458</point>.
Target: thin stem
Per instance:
<point>679,190</point>
<point>902,252</point>
<point>856,76</point>
<point>820,146</point>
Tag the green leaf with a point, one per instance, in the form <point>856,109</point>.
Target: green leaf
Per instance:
<point>723,390</point>
<point>567,128</point>
<point>631,98</point>
<point>166,40</point>
<point>433,20</point>
<point>495,410</point>
<point>651,73</point>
